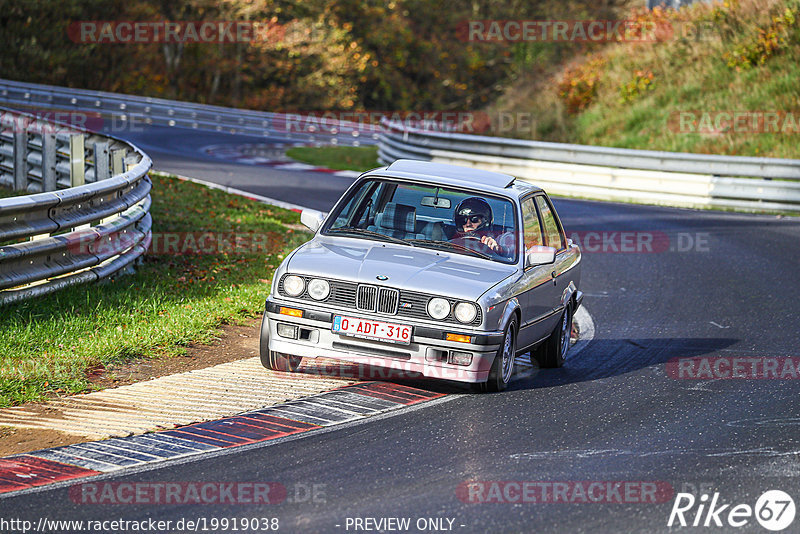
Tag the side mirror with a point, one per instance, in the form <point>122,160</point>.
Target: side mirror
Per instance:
<point>312,219</point>
<point>540,256</point>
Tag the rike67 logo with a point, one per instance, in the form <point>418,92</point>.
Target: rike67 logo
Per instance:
<point>774,510</point>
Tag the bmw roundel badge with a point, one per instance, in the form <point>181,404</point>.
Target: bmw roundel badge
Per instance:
<point>382,278</point>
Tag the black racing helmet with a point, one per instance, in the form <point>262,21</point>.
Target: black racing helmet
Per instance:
<point>473,207</point>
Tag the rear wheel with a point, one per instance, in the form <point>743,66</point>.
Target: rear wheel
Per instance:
<point>553,351</point>
<point>503,365</point>
<point>277,361</point>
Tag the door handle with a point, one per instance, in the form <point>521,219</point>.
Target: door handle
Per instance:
<point>555,280</point>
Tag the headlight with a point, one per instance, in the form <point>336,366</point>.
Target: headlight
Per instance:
<point>319,289</point>
<point>438,308</point>
<point>465,312</point>
<point>293,285</point>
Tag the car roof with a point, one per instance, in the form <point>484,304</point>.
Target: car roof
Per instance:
<point>452,175</point>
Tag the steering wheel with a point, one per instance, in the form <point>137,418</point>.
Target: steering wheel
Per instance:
<point>469,241</point>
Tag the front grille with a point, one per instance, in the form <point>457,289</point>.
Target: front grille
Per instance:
<point>381,300</point>
<point>377,299</point>
<point>387,300</point>
<point>367,298</point>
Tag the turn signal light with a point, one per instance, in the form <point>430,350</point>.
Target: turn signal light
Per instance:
<point>291,311</point>
<point>458,337</point>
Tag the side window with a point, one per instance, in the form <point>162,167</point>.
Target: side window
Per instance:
<point>357,207</point>
<point>368,214</point>
<point>551,231</point>
<point>532,231</point>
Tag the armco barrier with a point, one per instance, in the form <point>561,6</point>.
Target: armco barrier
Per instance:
<point>162,112</point>
<point>666,178</point>
<point>673,179</point>
<point>88,217</point>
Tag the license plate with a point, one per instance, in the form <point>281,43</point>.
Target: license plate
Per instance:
<point>352,326</point>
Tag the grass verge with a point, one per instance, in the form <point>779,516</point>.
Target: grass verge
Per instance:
<point>49,345</point>
<point>340,158</point>
<point>5,192</point>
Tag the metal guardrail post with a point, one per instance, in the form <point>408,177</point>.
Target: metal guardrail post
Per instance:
<point>77,167</point>
<point>20,161</point>
<point>117,161</point>
<point>48,162</point>
<point>101,169</point>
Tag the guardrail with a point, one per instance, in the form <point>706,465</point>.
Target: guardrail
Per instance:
<point>129,109</point>
<point>673,179</point>
<point>88,217</point>
<point>651,177</point>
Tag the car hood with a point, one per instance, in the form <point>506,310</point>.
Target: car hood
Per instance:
<point>410,268</point>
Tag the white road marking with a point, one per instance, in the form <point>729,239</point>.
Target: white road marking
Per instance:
<point>347,174</point>
<point>234,191</point>
<point>702,386</point>
<point>594,453</point>
<point>295,167</point>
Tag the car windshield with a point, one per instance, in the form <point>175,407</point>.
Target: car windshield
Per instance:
<point>426,216</point>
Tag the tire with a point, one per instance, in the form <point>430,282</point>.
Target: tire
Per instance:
<point>503,365</point>
<point>553,351</point>
<point>276,361</point>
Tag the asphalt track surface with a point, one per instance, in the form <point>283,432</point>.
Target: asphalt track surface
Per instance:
<point>180,151</point>
<point>612,413</point>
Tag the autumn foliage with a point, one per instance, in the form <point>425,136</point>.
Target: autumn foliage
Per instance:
<point>325,54</point>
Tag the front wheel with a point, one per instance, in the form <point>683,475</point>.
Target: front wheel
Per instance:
<point>553,351</point>
<point>503,364</point>
<point>277,361</point>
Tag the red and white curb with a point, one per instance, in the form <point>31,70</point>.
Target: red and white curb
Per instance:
<point>273,157</point>
<point>344,405</point>
<point>181,399</point>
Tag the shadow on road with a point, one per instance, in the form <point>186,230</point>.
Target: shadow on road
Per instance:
<point>604,358</point>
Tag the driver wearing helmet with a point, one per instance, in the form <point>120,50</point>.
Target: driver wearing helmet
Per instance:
<point>473,218</point>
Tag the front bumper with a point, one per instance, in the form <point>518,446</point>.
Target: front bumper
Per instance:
<point>425,355</point>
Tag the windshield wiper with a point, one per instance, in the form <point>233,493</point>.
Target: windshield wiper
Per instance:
<point>363,231</point>
<point>450,245</point>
